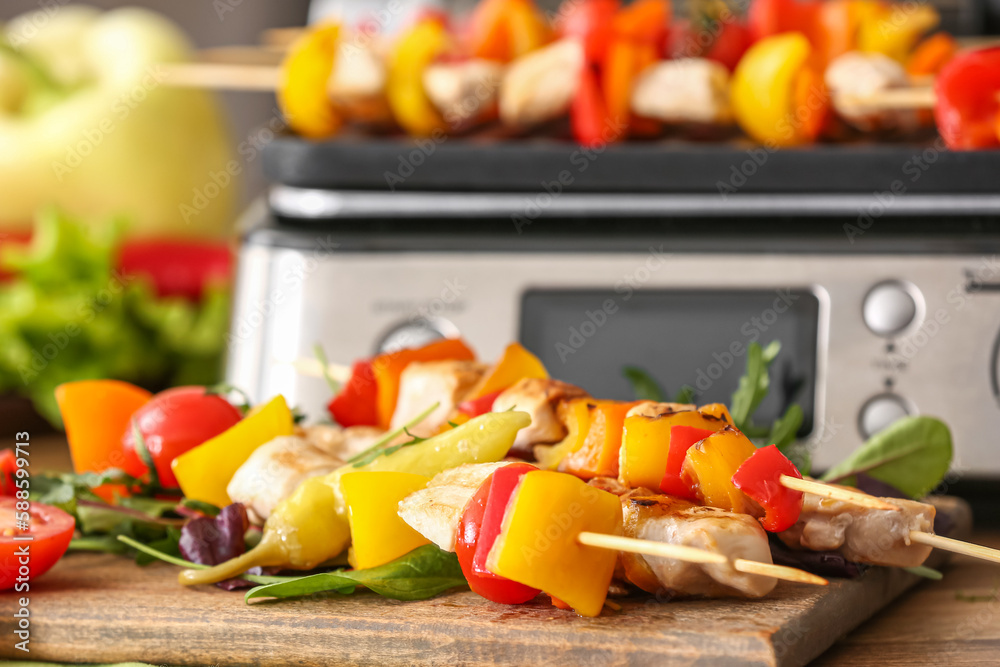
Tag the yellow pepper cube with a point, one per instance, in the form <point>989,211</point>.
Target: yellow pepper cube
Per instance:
<point>537,545</point>
<point>646,444</point>
<point>377,533</point>
<point>204,472</point>
<point>710,465</point>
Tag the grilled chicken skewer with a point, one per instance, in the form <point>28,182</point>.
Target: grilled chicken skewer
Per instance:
<point>701,533</point>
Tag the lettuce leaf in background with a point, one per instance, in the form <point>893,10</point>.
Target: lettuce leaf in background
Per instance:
<point>68,314</point>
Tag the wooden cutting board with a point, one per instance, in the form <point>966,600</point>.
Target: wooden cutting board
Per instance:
<point>103,608</point>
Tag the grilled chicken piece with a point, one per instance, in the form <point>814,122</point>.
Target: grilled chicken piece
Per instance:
<point>654,409</point>
<point>465,92</point>
<point>862,535</point>
<point>855,76</point>
<point>357,83</point>
<point>342,443</point>
<point>274,470</point>
<point>689,90</point>
<point>424,383</point>
<point>671,520</point>
<point>435,511</point>
<point>540,85</point>
<point>540,399</point>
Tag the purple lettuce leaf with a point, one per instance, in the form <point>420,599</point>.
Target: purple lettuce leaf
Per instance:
<point>209,541</point>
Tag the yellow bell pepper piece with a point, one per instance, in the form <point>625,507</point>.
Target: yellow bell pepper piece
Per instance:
<point>537,545</point>
<point>414,52</point>
<point>646,445</point>
<point>302,91</point>
<point>710,465</point>
<point>893,30</point>
<point>717,410</point>
<point>515,364</point>
<point>762,89</point>
<point>575,414</point>
<point>378,535</point>
<point>204,472</point>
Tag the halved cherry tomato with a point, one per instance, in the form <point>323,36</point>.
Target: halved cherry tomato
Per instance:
<point>357,402</point>
<point>478,406</point>
<point>51,530</point>
<point>478,530</point>
<point>759,478</point>
<point>173,422</point>
<point>681,440</point>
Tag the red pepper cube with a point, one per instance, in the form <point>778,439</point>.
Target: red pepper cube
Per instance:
<point>760,478</point>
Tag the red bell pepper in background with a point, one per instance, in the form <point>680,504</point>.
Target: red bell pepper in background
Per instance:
<point>730,44</point>
<point>178,268</point>
<point>478,406</point>
<point>588,115</point>
<point>357,402</point>
<point>479,528</point>
<point>767,18</point>
<point>681,440</point>
<point>639,33</point>
<point>591,21</point>
<point>967,109</point>
<point>759,478</point>
<point>8,466</point>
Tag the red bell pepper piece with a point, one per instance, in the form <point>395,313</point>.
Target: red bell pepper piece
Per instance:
<point>588,115</point>
<point>8,466</point>
<point>178,268</point>
<point>357,402</point>
<point>759,478</point>
<point>479,528</point>
<point>478,406</point>
<point>681,440</point>
<point>593,22</point>
<point>767,18</point>
<point>967,108</point>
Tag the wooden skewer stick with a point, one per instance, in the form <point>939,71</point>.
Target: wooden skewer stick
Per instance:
<point>222,76</point>
<point>835,493</point>
<point>956,546</point>
<point>695,555</point>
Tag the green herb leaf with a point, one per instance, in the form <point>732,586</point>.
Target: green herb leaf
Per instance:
<point>782,434</point>
<point>325,365</point>
<point>685,395</point>
<point>644,386</point>
<point>382,447</point>
<point>754,384</point>
<point>144,455</point>
<point>223,389</point>
<point>421,574</point>
<point>925,572</point>
<point>208,509</point>
<point>913,454</point>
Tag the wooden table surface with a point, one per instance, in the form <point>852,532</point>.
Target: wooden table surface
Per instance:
<point>934,623</point>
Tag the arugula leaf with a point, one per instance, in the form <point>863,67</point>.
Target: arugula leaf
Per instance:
<point>685,395</point>
<point>382,447</point>
<point>421,574</point>
<point>644,386</point>
<point>782,434</point>
<point>754,384</point>
<point>925,572</point>
<point>176,560</point>
<point>913,454</point>
<point>325,364</point>
<point>144,455</point>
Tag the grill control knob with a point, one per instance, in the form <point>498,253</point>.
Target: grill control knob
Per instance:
<point>889,308</point>
<point>416,332</point>
<point>881,411</point>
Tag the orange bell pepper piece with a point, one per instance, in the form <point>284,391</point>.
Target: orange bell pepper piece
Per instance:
<point>837,33</point>
<point>710,465</point>
<point>388,367</point>
<point>931,55</point>
<point>506,29</point>
<point>639,31</point>
<point>304,74</point>
<point>646,444</point>
<point>598,455</point>
<point>515,364</point>
<point>96,414</point>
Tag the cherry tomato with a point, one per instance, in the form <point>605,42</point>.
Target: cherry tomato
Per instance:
<point>8,466</point>
<point>478,406</point>
<point>173,422</point>
<point>476,535</point>
<point>51,530</point>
